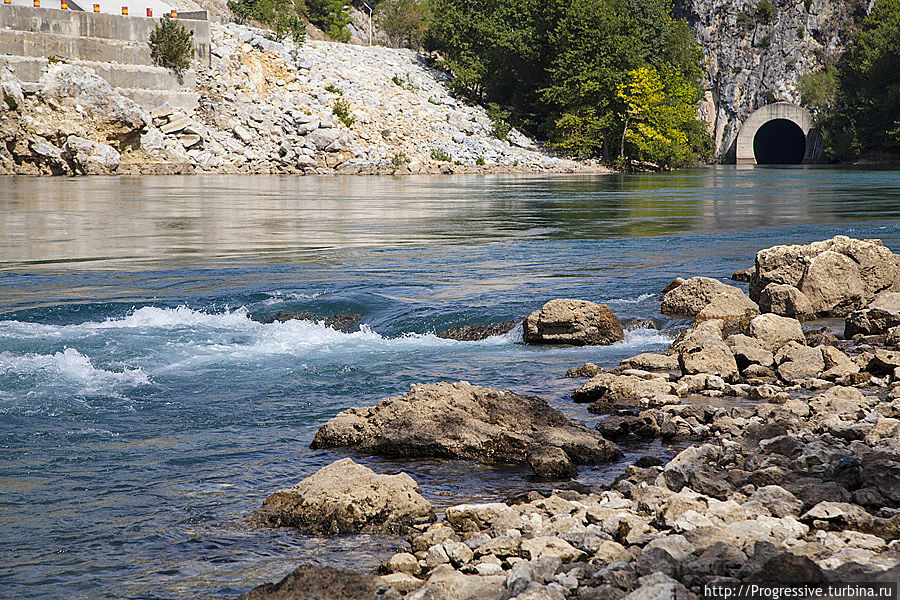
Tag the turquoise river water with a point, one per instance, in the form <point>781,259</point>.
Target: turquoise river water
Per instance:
<point>145,411</point>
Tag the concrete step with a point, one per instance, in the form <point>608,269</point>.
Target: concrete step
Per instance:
<point>153,99</point>
<point>29,69</point>
<point>70,47</point>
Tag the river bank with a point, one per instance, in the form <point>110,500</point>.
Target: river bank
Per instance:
<point>793,475</point>
<point>266,107</point>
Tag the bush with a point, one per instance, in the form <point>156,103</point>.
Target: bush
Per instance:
<point>403,20</point>
<point>765,12</point>
<point>341,110</point>
<point>334,89</point>
<point>498,118</point>
<point>170,44</point>
<point>399,159</point>
<point>331,16</point>
<point>479,161</point>
<point>285,17</point>
<point>440,155</point>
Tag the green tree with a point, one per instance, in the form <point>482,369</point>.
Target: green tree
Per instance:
<point>285,17</point>
<point>170,44</point>
<point>866,119</point>
<point>818,91</point>
<point>331,16</point>
<point>405,21</point>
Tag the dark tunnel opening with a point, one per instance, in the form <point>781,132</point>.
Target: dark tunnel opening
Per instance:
<point>779,142</point>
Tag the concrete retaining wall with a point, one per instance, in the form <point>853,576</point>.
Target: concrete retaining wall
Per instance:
<point>91,25</point>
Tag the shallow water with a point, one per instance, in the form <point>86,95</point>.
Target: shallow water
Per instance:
<point>145,411</point>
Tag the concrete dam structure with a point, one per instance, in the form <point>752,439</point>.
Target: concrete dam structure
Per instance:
<point>781,133</point>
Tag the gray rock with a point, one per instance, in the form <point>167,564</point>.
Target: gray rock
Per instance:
<point>346,497</point>
<point>882,314</point>
<point>707,298</point>
<point>574,322</point>
<point>460,420</point>
<point>323,138</point>
<point>84,87</point>
<point>773,331</point>
<point>91,158</point>
<point>785,300</point>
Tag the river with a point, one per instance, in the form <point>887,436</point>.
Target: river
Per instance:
<point>145,410</point>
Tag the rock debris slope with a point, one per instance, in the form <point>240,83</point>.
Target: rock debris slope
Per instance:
<point>271,107</point>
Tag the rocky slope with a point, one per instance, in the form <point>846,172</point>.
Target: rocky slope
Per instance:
<point>756,51</point>
<point>266,107</point>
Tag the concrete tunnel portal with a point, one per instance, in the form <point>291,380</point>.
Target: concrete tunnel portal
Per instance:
<point>778,134</point>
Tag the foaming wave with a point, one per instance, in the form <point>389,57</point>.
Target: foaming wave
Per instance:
<point>70,367</point>
<point>634,300</point>
<point>644,337</point>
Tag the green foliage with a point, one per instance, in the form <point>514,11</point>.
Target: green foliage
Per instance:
<point>440,155</point>
<point>801,32</point>
<point>660,118</point>
<point>398,159</point>
<point>745,22</point>
<point>818,91</point>
<point>285,17</point>
<point>405,21</point>
<point>765,41</point>
<point>53,59</point>
<point>864,119</point>
<point>556,66</point>
<point>480,161</point>
<point>341,110</point>
<point>334,89</point>
<point>170,44</point>
<point>331,16</point>
<point>807,4</point>
<point>499,124</point>
<point>11,103</point>
<point>765,12</point>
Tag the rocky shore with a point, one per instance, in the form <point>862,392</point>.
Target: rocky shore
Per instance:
<point>265,107</point>
<point>792,475</point>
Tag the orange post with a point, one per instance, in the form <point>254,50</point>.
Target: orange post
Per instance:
<point>96,8</point>
<point>7,1</point>
<point>37,3</point>
<point>124,11</point>
<point>174,14</point>
<point>63,5</point>
<point>149,12</point>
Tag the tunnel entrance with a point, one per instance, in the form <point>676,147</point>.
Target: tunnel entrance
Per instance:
<point>779,142</point>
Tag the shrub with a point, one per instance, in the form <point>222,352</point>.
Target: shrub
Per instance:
<point>341,110</point>
<point>440,155</point>
<point>765,12</point>
<point>11,102</point>
<point>745,22</point>
<point>331,16</point>
<point>399,159</point>
<point>498,119</point>
<point>334,90</point>
<point>479,161</point>
<point>285,17</point>
<point>766,41</point>
<point>170,44</point>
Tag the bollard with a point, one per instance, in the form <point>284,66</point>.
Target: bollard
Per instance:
<point>63,4</point>
<point>149,12</point>
<point>37,3</point>
<point>174,14</point>
<point>96,8</point>
<point>124,11</point>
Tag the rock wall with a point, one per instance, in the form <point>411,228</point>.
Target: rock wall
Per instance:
<point>756,51</point>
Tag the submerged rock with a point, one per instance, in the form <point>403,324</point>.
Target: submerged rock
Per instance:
<point>474,333</point>
<point>573,322</point>
<point>345,497</point>
<point>339,321</point>
<point>318,582</point>
<point>460,420</point>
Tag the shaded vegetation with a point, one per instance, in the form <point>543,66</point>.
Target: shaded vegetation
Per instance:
<point>170,44</point>
<point>857,102</point>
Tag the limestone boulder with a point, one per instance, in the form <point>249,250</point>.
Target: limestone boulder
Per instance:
<point>345,497</point>
<point>74,85</point>
<point>785,300</point>
<point>10,91</point>
<point>90,157</point>
<point>707,298</point>
<point>460,420</point>
<point>573,322</point>
<point>880,315</point>
<point>773,331</point>
<point>837,275</point>
<point>621,390</point>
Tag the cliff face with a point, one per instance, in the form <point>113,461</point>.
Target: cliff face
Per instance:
<point>756,51</point>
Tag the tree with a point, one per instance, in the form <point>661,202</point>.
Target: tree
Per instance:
<point>286,17</point>
<point>170,44</point>
<point>331,16</point>
<point>866,120</point>
<point>405,21</point>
